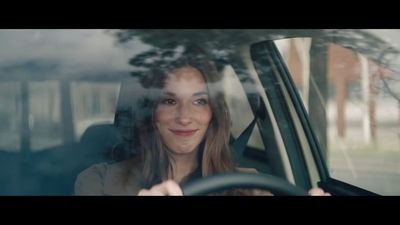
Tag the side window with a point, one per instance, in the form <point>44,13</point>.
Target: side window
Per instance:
<point>44,114</point>
<point>353,104</point>
<point>93,103</point>
<point>10,110</point>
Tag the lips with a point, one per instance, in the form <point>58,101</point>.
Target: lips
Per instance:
<point>183,132</point>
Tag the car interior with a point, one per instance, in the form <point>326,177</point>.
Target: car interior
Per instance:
<point>314,107</point>
<point>53,170</point>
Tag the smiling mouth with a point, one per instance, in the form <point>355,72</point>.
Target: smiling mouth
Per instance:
<point>184,133</point>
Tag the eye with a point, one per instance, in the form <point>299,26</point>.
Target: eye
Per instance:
<point>201,101</point>
<point>168,101</point>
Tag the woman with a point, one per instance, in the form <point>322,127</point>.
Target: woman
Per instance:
<point>184,135</point>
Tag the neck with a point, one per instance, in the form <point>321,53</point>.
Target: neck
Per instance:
<point>183,164</point>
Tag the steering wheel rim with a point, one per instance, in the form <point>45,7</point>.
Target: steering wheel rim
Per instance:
<point>224,181</point>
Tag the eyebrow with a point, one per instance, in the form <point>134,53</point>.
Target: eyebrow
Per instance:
<point>169,93</point>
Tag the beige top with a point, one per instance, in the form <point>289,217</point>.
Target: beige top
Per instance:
<point>122,179</point>
<point>109,179</point>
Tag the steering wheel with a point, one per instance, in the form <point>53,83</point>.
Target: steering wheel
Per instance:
<point>224,181</point>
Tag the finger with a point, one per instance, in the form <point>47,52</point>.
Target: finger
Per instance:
<point>316,192</point>
<point>151,192</point>
<point>142,192</point>
<point>170,187</point>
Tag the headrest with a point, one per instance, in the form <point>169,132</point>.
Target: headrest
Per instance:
<point>100,135</point>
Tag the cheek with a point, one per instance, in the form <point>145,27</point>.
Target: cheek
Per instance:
<point>162,115</point>
<point>162,121</point>
<point>205,116</point>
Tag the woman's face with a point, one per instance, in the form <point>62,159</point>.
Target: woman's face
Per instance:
<point>183,113</point>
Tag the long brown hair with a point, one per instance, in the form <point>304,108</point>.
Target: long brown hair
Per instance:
<point>214,151</point>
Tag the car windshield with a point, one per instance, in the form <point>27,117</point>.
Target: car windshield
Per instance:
<point>303,105</point>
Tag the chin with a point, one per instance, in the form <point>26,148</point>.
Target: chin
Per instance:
<point>183,150</point>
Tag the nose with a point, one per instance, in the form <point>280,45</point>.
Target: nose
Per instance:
<point>183,115</point>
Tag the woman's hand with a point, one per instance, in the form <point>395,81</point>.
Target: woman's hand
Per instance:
<point>168,187</point>
<point>318,192</point>
<point>171,188</point>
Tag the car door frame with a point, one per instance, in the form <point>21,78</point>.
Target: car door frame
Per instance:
<point>267,51</point>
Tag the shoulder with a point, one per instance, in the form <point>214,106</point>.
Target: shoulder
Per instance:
<point>121,178</point>
<point>90,181</point>
<point>103,169</point>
